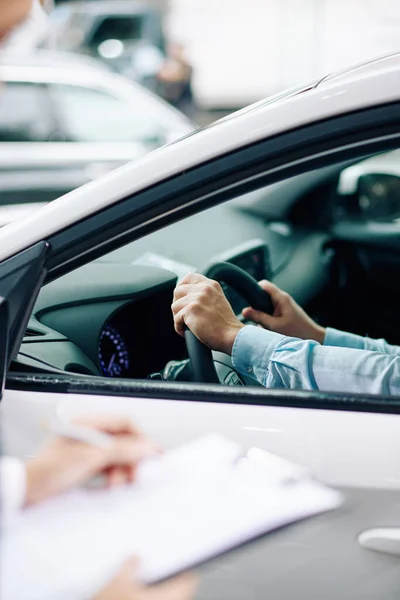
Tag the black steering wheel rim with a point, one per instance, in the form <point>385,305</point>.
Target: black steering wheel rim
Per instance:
<point>200,355</point>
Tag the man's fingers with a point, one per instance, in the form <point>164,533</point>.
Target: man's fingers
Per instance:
<point>277,295</point>
<point>181,291</point>
<point>179,321</point>
<point>192,278</point>
<point>279,300</point>
<point>259,317</point>
<point>180,303</point>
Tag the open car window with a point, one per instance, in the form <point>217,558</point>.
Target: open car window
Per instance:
<point>116,311</point>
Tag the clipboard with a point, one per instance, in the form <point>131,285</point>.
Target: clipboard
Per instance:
<point>191,505</point>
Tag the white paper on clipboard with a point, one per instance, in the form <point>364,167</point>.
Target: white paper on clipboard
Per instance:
<point>193,503</point>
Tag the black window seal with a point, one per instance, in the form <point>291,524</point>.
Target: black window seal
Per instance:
<point>194,392</point>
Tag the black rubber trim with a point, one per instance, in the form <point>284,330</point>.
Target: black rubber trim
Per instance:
<point>212,183</point>
<point>251,396</point>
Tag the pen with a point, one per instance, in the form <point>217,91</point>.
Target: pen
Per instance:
<point>79,433</point>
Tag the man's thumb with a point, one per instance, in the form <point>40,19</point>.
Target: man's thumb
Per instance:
<point>259,317</point>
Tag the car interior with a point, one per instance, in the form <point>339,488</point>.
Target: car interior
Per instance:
<point>328,237</point>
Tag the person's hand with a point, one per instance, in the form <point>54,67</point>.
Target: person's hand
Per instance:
<point>201,305</point>
<point>125,587</point>
<point>64,464</point>
<point>288,317</point>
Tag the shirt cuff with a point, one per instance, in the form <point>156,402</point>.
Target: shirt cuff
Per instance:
<point>252,350</point>
<point>334,337</point>
<point>12,488</point>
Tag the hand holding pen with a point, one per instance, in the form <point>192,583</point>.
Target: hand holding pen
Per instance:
<point>83,449</point>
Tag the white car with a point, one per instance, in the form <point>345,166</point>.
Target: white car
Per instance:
<point>58,98</point>
<point>266,190</point>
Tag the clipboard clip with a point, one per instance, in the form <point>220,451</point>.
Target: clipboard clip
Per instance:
<point>279,470</point>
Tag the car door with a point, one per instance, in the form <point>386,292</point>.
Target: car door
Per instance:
<point>348,440</point>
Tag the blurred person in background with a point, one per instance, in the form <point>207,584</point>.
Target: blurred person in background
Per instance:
<point>175,79</point>
<point>24,25</point>
<point>48,5</point>
<point>64,464</point>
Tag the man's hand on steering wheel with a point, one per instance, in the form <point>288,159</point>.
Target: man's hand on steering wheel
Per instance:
<point>288,317</point>
<point>201,305</point>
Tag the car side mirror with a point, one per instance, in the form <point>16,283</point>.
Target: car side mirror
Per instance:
<point>378,196</point>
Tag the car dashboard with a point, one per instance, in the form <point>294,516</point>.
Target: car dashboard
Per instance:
<point>115,320</point>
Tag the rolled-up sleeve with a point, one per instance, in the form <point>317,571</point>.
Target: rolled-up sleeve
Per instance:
<point>282,362</point>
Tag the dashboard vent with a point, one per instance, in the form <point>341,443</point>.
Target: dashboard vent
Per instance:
<point>33,333</point>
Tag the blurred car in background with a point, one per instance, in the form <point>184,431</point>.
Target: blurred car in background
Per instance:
<point>58,98</point>
<point>44,172</point>
<point>65,120</point>
<point>31,175</point>
<point>126,34</point>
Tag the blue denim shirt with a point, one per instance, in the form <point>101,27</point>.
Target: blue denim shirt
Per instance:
<point>344,363</point>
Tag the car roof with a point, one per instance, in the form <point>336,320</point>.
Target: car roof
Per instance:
<point>373,84</point>
<point>368,68</point>
<point>110,7</point>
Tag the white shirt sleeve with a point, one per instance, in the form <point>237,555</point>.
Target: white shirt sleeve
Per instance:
<point>12,488</point>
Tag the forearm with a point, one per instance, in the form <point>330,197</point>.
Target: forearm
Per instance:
<point>289,363</point>
<point>334,337</point>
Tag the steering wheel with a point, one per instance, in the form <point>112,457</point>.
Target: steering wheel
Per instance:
<point>200,355</point>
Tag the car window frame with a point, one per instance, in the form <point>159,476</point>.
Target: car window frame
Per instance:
<point>357,137</point>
